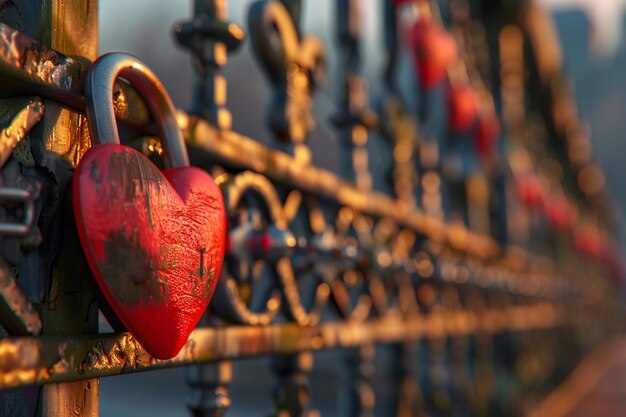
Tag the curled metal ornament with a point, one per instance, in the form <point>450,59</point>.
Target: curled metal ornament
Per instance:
<point>294,66</point>
<point>305,289</point>
<point>343,274</point>
<point>260,236</point>
<point>234,290</point>
<point>254,242</point>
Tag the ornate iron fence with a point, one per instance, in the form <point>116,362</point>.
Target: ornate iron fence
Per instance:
<point>480,257</point>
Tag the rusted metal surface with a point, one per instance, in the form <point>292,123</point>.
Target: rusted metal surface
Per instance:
<point>314,260</point>
<point>19,127</point>
<point>28,67</point>
<point>19,316</point>
<point>232,149</point>
<point>81,397</point>
<point>58,288</point>
<point>48,359</point>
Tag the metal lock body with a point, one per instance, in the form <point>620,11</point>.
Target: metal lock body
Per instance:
<point>154,240</point>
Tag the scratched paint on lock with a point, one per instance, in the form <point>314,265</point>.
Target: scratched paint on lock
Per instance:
<point>154,241</point>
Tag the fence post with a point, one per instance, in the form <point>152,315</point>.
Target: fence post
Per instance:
<point>51,270</point>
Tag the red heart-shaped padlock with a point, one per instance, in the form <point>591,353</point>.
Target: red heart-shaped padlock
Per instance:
<point>154,240</point>
<point>435,51</point>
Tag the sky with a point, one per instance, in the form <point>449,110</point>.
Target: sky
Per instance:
<point>606,17</point>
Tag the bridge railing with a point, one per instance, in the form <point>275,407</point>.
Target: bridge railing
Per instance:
<point>479,254</point>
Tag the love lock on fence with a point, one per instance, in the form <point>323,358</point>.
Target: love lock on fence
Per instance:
<point>154,239</point>
<point>443,260</point>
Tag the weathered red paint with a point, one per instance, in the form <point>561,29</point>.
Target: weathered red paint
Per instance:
<point>155,241</point>
<point>435,50</point>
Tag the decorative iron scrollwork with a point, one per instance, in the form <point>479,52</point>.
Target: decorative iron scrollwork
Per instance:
<point>295,66</point>
<point>317,260</point>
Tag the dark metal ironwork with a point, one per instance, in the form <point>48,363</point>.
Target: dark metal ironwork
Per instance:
<point>318,260</point>
<point>354,118</point>
<point>36,360</point>
<point>210,38</point>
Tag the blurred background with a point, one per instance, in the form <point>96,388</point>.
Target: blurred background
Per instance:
<point>592,32</point>
<point>593,37</point>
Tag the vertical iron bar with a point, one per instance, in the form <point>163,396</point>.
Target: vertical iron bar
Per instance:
<point>209,38</point>
<point>391,44</point>
<point>209,385</point>
<point>431,185</point>
<point>292,393</point>
<point>400,129</point>
<point>354,118</point>
<point>407,398</point>
<point>357,395</point>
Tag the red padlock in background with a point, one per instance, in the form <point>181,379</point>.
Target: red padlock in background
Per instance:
<point>486,135</point>
<point>560,212</point>
<point>530,190</point>
<point>463,107</point>
<point>154,240</point>
<point>589,241</point>
<point>434,51</point>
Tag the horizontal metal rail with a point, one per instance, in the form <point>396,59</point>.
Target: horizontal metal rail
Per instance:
<point>235,150</point>
<point>67,84</point>
<point>367,277</point>
<point>41,360</point>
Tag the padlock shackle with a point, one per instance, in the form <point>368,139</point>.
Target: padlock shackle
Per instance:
<point>101,114</point>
